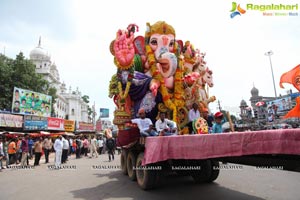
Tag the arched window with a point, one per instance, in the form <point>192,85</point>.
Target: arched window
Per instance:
<point>73,111</point>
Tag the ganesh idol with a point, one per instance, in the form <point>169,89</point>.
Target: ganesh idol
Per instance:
<point>149,71</point>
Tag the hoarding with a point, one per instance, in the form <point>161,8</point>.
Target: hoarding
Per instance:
<point>8,120</point>
<point>282,104</point>
<point>98,126</point>
<point>69,125</point>
<point>104,112</point>
<point>83,126</point>
<point>28,102</point>
<point>35,123</point>
<point>56,124</point>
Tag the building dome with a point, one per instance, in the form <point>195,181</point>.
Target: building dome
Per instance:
<point>243,103</point>
<point>38,52</point>
<point>254,91</point>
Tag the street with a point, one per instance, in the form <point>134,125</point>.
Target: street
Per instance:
<point>96,178</point>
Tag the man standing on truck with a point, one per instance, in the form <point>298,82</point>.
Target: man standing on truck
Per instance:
<point>193,115</point>
<point>144,124</point>
<point>165,127</point>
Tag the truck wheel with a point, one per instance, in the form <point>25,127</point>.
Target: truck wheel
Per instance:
<point>123,161</point>
<point>204,174</point>
<point>131,165</point>
<point>215,170</point>
<point>146,179</point>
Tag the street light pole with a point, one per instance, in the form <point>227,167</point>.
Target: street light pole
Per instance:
<point>269,53</point>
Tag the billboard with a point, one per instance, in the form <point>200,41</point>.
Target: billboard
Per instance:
<point>31,103</point>
<point>35,123</point>
<point>69,125</point>
<point>282,104</point>
<point>56,124</point>
<point>104,112</point>
<point>83,126</point>
<point>7,120</point>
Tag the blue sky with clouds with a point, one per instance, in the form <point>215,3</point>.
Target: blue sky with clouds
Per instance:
<point>77,34</point>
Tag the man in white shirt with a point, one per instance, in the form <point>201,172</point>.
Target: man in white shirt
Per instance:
<point>65,151</point>
<point>193,115</point>
<point>58,147</point>
<point>93,147</point>
<point>144,124</point>
<point>100,144</point>
<point>165,127</point>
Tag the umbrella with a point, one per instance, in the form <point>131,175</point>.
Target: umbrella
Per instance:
<point>260,103</point>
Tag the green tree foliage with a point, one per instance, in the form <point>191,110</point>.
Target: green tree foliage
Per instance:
<point>86,99</point>
<point>19,72</point>
<point>52,92</point>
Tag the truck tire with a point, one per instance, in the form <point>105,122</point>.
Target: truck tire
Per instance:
<point>204,174</point>
<point>131,165</point>
<point>123,159</point>
<point>215,170</point>
<point>146,179</point>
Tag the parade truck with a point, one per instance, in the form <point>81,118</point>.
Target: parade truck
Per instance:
<point>159,73</point>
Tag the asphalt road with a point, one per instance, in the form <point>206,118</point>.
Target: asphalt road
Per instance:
<point>96,178</point>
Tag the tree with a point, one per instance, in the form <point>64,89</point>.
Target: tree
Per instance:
<point>52,92</point>
<point>86,99</point>
<point>18,73</point>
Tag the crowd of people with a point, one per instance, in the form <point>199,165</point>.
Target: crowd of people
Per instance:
<point>20,150</point>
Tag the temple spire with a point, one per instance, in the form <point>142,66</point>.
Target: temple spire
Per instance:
<point>39,42</point>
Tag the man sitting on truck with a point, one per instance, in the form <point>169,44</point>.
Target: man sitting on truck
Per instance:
<point>144,124</point>
<point>165,127</point>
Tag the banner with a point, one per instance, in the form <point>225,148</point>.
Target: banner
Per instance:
<point>98,126</point>
<point>31,103</point>
<point>35,123</point>
<point>56,124</point>
<point>82,126</point>
<point>281,104</point>
<point>8,120</point>
<point>69,125</point>
<point>104,112</point>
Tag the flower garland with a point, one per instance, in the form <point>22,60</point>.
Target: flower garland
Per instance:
<point>178,93</point>
<point>123,95</point>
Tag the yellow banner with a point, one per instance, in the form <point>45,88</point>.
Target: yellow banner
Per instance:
<point>69,125</point>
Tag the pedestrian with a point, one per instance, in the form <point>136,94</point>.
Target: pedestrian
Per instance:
<point>25,150</point>
<point>19,150</point>
<point>47,146</point>
<point>1,154</point>
<point>93,147</point>
<point>5,151</point>
<point>30,146</point>
<point>12,149</point>
<point>100,144</point>
<point>86,145</point>
<point>38,149</point>
<point>65,150</point>
<point>58,147</point>
<point>110,145</point>
<point>78,147</point>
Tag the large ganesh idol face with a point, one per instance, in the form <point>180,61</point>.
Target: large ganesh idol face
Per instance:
<point>162,43</point>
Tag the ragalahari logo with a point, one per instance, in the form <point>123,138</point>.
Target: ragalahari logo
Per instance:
<point>236,10</point>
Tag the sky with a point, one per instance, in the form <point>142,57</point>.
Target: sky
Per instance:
<point>77,35</point>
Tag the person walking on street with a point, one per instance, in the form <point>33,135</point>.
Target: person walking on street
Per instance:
<point>94,147</point>
<point>12,149</point>
<point>58,147</point>
<point>110,145</point>
<point>47,146</point>
<point>25,151</point>
<point>38,149</point>
<point>65,150</point>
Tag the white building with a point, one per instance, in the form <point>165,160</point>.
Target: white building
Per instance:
<point>69,104</point>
